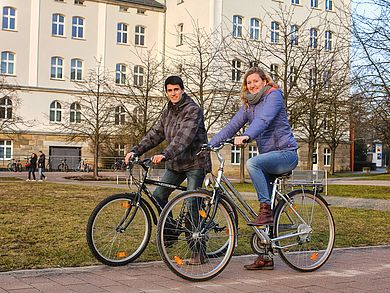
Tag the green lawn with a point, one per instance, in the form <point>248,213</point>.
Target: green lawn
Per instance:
<point>361,176</point>
<point>43,225</point>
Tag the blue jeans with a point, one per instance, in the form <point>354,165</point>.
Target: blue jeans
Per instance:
<point>262,167</point>
<point>194,180</point>
<point>40,172</point>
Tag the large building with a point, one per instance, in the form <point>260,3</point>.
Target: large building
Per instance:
<point>49,46</point>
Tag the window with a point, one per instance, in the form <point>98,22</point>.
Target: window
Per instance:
<point>327,78</point>
<point>5,149</point>
<point>237,26</point>
<point>294,35</point>
<point>75,113</point>
<point>56,67</point>
<point>236,155</point>
<point>77,27</point>
<point>79,2</point>
<point>121,33</point>
<point>120,150</point>
<point>9,18</point>
<point>5,108</point>
<point>120,115</point>
<point>139,35</point>
<point>138,115</point>
<point>253,64</point>
<point>313,38</point>
<point>314,3</point>
<point>55,112</point>
<point>120,77</point>
<point>255,29</point>
<point>76,69</point>
<point>326,157</point>
<point>274,68</point>
<point>123,8</point>
<point>296,2</point>
<point>253,151</point>
<point>293,75</point>
<point>138,75</point>
<point>328,41</point>
<point>274,32</point>
<point>141,11</point>
<point>329,5</point>
<point>236,70</point>
<point>180,35</point>
<point>58,25</point>
<point>7,63</point>
<point>312,77</point>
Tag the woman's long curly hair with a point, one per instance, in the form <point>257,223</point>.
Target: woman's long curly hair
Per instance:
<point>263,75</point>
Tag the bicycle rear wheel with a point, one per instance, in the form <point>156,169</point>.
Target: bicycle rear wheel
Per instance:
<point>117,231</point>
<point>310,250</point>
<point>181,234</point>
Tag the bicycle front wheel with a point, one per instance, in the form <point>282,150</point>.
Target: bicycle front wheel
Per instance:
<point>118,231</point>
<point>309,237</point>
<point>188,237</point>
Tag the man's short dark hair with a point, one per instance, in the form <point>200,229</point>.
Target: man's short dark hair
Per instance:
<point>173,79</point>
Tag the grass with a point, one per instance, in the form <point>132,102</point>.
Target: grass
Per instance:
<point>361,176</point>
<point>43,225</point>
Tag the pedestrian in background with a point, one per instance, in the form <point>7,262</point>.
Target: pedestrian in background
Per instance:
<point>31,167</point>
<point>41,166</point>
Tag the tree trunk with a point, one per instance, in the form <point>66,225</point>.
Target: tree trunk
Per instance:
<point>332,160</point>
<point>310,151</point>
<point>96,160</point>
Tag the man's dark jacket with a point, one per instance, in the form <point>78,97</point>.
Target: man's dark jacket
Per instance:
<point>182,126</point>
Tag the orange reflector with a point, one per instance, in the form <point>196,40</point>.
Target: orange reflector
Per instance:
<point>178,260</point>
<point>314,256</point>
<point>125,204</point>
<point>121,254</point>
<point>202,213</point>
<point>227,231</point>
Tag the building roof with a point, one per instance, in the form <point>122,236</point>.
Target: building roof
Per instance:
<point>151,3</point>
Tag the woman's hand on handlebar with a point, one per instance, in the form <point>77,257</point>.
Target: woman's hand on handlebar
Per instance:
<point>241,140</point>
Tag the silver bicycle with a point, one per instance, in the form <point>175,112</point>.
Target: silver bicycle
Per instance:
<point>303,231</point>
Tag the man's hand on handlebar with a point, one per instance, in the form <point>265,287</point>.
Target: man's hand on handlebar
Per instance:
<point>156,159</point>
<point>241,140</point>
<point>128,157</point>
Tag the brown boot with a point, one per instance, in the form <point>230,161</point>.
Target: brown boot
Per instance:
<point>264,217</point>
<point>262,262</point>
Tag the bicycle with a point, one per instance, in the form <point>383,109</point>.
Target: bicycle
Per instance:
<point>119,165</point>
<point>303,231</point>
<point>15,166</point>
<point>83,166</point>
<point>63,166</point>
<point>119,227</point>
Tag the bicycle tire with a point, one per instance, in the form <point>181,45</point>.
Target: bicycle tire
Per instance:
<point>11,167</point>
<point>60,167</point>
<point>223,230</point>
<point>66,168</point>
<point>107,240</point>
<point>311,250</point>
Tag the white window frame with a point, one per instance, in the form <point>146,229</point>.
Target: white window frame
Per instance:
<point>6,148</point>
<point>122,33</point>
<point>295,2</point>
<point>294,35</point>
<point>327,157</point>
<point>57,24</point>
<point>235,155</point>
<point>253,151</point>
<point>55,112</point>
<point>75,113</point>
<point>313,40</point>
<point>180,34</point>
<point>328,41</point>
<point>236,70</point>
<point>57,68</point>
<point>120,115</point>
<point>120,73</point>
<point>9,20</point>
<point>139,35</point>
<point>329,5</point>
<point>138,114</point>
<point>138,75</point>
<point>78,2</point>
<point>120,149</point>
<point>76,69</point>
<point>314,3</point>
<point>312,77</point>
<point>327,78</point>
<point>237,26</point>
<point>6,108</point>
<point>254,28</point>
<point>293,74</point>
<point>273,71</point>
<point>78,27</point>
<point>7,63</point>
<point>275,32</point>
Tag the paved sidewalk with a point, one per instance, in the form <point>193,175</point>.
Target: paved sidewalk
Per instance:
<point>348,270</point>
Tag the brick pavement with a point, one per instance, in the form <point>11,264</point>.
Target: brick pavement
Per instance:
<point>348,270</point>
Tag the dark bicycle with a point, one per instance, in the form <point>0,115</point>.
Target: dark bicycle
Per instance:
<point>119,165</point>
<point>15,166</point>
<point>63,166</point>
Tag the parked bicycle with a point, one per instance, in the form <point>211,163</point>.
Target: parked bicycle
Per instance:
<point>15,166</point>
<point>63,166</point>
<point>303,231</point>
<point>119,228</point>
<point>119,165</point>
<point>83,166</point>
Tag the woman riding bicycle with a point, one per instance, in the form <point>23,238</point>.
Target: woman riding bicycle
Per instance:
<point>263,107</point>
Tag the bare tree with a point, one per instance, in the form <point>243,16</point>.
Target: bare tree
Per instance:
<point>10,120</point>
<point>92,113</point>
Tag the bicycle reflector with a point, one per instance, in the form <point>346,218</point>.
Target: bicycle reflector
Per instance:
<point>121,254</point>
<point>202,213</point>
<point>314,256</point>
<point>125,204</point>
<point>178,260</point>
